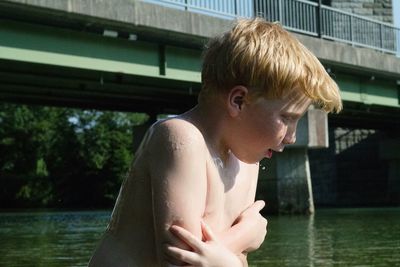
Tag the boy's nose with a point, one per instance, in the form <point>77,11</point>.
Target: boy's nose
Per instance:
<point>290,139</point>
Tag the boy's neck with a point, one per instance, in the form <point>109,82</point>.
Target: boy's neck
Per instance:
<point>210,118</point>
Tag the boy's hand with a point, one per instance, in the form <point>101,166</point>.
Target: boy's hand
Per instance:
<point>254,225</point>
<point>208,253</point>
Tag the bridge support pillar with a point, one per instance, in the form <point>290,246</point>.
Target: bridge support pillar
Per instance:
<point>285,180</point>
<point>394,182</point>
<point>294,182</point>
<point>390,150</point>
<point>285,183</point>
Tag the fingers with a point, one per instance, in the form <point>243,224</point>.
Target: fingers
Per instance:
<point>258,205</point>
<point>255,207</point>
<point>187,237</point>
<point>186,256</point>
<point>208,234</point>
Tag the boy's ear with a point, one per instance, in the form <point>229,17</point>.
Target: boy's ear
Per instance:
<point>236,99</point>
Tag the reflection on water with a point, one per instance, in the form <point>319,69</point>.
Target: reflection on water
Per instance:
<point>333,237</point>
<point>49,238</point>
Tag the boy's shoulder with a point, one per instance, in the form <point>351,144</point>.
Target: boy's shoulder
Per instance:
<point>178,126</point>
<point>176,132</point>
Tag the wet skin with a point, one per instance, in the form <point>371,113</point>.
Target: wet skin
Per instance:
<point>218,196</point>
<point>180,176</point>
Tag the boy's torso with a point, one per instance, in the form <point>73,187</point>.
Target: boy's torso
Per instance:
<point>231,189</point>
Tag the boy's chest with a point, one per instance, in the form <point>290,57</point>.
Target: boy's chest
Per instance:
<point>230,191</point>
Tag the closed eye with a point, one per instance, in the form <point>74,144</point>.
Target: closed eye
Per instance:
<point>291,116</point>
<point>287,118</point>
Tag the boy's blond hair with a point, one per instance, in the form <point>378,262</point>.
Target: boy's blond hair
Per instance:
<point>268,60</point>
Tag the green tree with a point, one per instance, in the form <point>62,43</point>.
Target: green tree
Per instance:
<point>22,166</point>
<point>59,157</point>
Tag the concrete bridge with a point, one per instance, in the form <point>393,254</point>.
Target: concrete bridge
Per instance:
<point>143,57</point>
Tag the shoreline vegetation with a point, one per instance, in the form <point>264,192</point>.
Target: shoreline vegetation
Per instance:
<point>53,157</point>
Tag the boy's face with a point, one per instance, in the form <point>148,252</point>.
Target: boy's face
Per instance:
<point>265,126</point>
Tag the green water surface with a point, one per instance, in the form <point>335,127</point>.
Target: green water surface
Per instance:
<point>332,237</point>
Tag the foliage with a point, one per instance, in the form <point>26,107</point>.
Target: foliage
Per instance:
<point>60,157</point>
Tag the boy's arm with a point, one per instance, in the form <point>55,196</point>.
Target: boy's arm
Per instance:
<point>177,164</point>
<point>246,235</point>
<point>249,230</point>
<point>204,253</point>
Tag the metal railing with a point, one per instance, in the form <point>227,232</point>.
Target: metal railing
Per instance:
<point>304,17</point>
<point>225,9</point>
<point>346,138</point>
<point>360,31</point>
<point>298,16</point>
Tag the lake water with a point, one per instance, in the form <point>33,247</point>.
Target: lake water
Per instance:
<point>332,237</point>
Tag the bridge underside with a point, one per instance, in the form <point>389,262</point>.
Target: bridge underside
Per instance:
<point>31,83</point>
<point>60,58</point>
<point>51,57</point>
<point>364,116</point>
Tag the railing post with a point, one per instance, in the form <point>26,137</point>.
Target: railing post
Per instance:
<point>319,19</point>
<point>381,35</point>
<point>351,30</point>
<point>236,8</point>
<point>280,12</point>
<point>397,48</point>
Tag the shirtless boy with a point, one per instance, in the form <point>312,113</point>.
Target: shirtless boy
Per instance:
<point>189,197</point>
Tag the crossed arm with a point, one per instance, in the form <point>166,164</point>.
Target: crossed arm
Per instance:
<point>179,190</point>
<point>213,251</point>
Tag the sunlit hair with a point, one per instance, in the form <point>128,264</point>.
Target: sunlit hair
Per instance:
<point>269,61</point>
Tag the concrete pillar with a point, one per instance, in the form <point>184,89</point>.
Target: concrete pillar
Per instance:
<point>285,180</point>
<point>389,150</point>
<point>285,183</point>
<point>394,182</point>
<point>294,182</point>
<point>267,187</point>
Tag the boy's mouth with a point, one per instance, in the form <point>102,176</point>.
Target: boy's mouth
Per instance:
<point>269,153</point>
